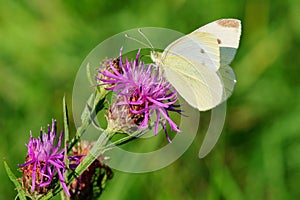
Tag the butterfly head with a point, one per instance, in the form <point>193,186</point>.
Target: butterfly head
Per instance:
<point>156,57</point>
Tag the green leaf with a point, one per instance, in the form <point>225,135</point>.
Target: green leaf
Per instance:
<point>100,100</point>
<point>88,74</point>
<point>86,112</point>
<point>66,131</point>
<point>66,121</point>
<point>13,178</point>
<point>92,118</point>
<point>49,195</point>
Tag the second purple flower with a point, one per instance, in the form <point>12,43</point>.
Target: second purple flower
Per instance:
<point>143,89</point>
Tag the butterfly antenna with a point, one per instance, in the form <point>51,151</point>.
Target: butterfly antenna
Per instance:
<point>138,41</point>
<point>144,36</point>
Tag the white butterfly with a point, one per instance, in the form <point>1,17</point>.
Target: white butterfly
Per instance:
<point>197,64</point>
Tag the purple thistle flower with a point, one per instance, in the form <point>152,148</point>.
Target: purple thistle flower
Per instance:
<point>43,160</point>
<point>121,119</point>
<point>144,89</point>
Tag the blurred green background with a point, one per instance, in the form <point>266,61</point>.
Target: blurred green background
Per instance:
<point>42,44</point>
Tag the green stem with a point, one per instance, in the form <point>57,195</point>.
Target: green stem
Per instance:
<point>93,154</point>
<point>122,140</point>
<point>100,94</point>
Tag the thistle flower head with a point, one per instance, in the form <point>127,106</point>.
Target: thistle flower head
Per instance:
<point>109,65</point>
<point>44,159</point>
<point>120,118</point>
<point>143,90</point>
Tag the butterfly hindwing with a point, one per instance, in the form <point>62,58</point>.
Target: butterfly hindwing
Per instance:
<point>201,87</point>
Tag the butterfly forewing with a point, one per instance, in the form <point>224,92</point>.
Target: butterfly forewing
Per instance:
<point>227,31</point>
<point>196,47</point>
